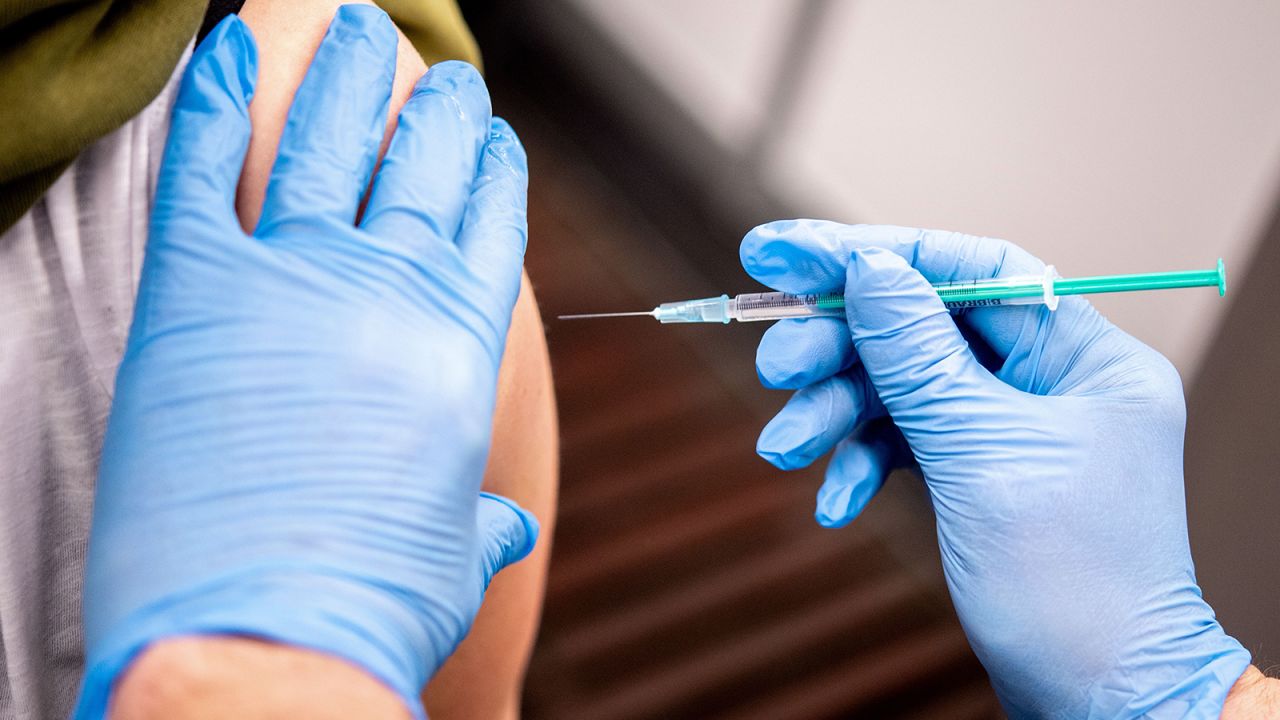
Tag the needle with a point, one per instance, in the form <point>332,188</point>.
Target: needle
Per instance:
<point>604,315</point>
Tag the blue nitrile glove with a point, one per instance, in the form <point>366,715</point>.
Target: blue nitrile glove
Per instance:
<point>302,415</point>
<point>1056,476</point>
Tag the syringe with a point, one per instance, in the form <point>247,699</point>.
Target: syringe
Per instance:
<point>1025,290</point>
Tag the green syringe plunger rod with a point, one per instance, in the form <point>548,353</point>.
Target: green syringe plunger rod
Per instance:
<point>1045,288</point>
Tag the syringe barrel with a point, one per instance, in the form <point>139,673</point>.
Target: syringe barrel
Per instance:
<point>955,302</point>
<point>749,307</point>
<point>986,293</point>
<point>1025,290</point>
<point>992,292</point>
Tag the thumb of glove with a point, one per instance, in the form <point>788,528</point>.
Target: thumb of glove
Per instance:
<point>507,533</point>
<point>921,366</point>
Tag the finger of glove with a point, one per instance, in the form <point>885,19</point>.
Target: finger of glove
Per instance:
<point>335,124</point>
<point>858,469</point>
<point>429,172</point>
<point>796,353</point>
<point>816,418</point>
<point>209,131</point>
<point>495,229</point>
<point>805,256</point>
<point>912,351</point>
<point>507,533</point>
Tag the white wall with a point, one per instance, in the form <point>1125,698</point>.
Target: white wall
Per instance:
<point>1104,136</point>
<point>713,56</point>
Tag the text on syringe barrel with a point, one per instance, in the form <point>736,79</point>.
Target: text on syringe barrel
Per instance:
<point>775,305</point>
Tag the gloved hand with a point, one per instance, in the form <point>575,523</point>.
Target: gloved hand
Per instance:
<point>302,416</point>
<point>1055,470</point>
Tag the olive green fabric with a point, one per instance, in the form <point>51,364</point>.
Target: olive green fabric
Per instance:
<point>436,29</point>
<point>72,71</point>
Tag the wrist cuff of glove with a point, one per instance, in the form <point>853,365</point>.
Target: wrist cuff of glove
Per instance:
<point>378,630</point>
<point>1191,684</point>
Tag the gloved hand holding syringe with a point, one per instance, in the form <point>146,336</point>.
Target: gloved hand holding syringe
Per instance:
<point>1026,290</point>
<point>1048,439</point>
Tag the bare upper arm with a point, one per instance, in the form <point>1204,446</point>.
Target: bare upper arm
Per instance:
<point>213,677</point>
<point>483,678</point>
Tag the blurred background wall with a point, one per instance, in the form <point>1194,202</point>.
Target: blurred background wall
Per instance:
<point>1105,137</point>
